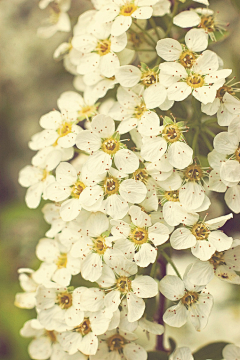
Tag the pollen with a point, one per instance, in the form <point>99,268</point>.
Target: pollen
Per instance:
<point>99,245</point>
<point>222,91</point>
<point>116,342</point>
<point>189,298</point>
<point>61,261</point>
<point>200,231</point>
<point>45,174</point>
<point>124,284</point>
<point>140,110</point>
<point>171,133</point>
<point>77,189</point>
<point>172,195</point>
<point>128,9</point>
<point>111,185</point>
<point>195,81</point>
<point>187,59</point>
<point>110,146</point>
<point>136,39</point>
<point>193,173</point>
<point>148,78</point>
<point>103,47</point>
<point>51,335</point>
<point>237,154</point>
<point>139,235</point>
<point>217,259</point>
<point>64,300</point>
<point>87,111</point>
<point>141,175</point>
<point>84,328</point>
<point>208,23</point>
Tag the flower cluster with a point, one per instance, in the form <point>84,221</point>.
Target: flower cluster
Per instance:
<point>125,184</point>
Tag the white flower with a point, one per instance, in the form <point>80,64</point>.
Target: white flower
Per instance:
<point>166,139</point>
<point>120,285</point>
<point>99,52</point>
<point>84,336</point>
<point>193,303</point>
<point>58,20</point>
<point>36,179</point>
<point>231,352</point>
<point>223,264</point>
<point>182,353</point>
<point>161,8</point>
<point>51,213</point>
<point>116,344</point>
<point>119,193</point>
<point>202,80</point>
<point>82,188</point>
<point>201,239</point>
<point>57,264</point>
<point>139,239</point>
<point>27,299</point>
<point>232,198</point>
<point>171,50</point>
<point>225,105</point>
<point>59,129</point>
<point>132,110</point>
<point>104,145</point>
<point>76,106</point>
<point>154,94</point>
<point>121,13</point>
<point>227,143</point>
<point>203,18</point>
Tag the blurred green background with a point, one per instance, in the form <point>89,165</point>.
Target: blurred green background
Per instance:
<point>30,83</point>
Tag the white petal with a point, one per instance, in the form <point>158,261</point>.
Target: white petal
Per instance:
<point>231,351</point>
<point>218,222</point>
<point>99,161</point>
<point>182,238</point>
<point>182,353</point>
<point>180,155</point>
<point>149,124</point>
<point>200,311</point>
<point>103,125</point>
<point>158,233</point>
<point>133,191</point>
<point>191,195</point>
<point>89,344</point>
<point>172,287</point>
<point>108,64</point>
<point>176,315</point>
<point>126,161</point>
<point>91,268</point>
<point>178,91</point>
<point>169,49</point>
<point>187,19</point>
<point>196,40</point>
<point>40,348</point>
<point>211,108</point>
<point>201,272</point>
<point>220,240</point>
<point>232,198</point>
<point>153,149</point>
<point>70,209</point>
<point>121,24</point>
<point>154,96</point>
<point>88,141</point>
<point>134,352</point>
<point>215,183</point>
<point>203,250</point>
<point>128,75</point>
<point>136,307</point>
<point>206,63</point>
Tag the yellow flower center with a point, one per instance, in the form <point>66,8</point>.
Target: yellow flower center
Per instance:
<point>222,91</point>
<point>45,174</point>
<point>207,23</point>
<point>87,111</point>
<point>141,175</point>
<point>217,259</point>
<point>84,328</point>
<point>51,335</point>
<point>123,284</point>
<point>148,78</point>
<point>64,300</point>
<point>139,235</point>
<point>171,133</point>
<point>111,185</point>
<point>110,146</point>
<point>189,298</point>
<point>128,9</point>
<point>103,47</point>
<point>99,245</point>
<point>187,59</point>
<point>193,173</point>
<point>237,154</point>
<point>200,231</point>
<point>195,81</point>
<point>116,342</point>
<point>172,195</point>
<point>77,189</point>
<point>140,110</point>
<point>61,261</point>
<point>65,129</point>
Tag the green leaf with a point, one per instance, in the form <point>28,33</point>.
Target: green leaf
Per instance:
<point>173,344</point>
<point>212,351</point>
<point>157,355</point>
<point>220,36</point>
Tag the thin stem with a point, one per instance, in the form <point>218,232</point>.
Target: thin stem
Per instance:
<point>153,269</point>
<point>207,142</point>
<point>143,49</point>
<point>152,22</point>
<point>175,9</point>
<point>145,33</point>
<point>194,143</point>
<point>169,260</point>
<point>161,303</point>
<point>209,132</point>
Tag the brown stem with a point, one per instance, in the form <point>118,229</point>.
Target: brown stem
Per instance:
<point>161,305</point>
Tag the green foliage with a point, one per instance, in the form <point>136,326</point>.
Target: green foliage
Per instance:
<point>157,355</point>
<point>212,351</point>
<point>236,4</point>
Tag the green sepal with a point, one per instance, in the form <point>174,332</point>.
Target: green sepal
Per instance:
<point>167,120</point>
<point>116,136</point>
<point>70,288</point>
<point>144,67</point>
<point>106,233</point>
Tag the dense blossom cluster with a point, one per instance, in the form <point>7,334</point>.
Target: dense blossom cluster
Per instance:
<point>133,188</point>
